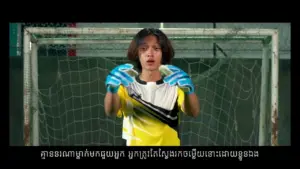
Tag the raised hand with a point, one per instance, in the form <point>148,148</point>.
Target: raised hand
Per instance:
<point>176,76</point>
<point>120,75</point>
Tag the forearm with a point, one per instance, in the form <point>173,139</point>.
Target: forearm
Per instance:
<point>111,104</point>
<point>191,105</point>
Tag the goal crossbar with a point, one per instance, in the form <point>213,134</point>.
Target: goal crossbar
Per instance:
<point>168,31</point>
<point>268,37</point>
<point>173,33</point>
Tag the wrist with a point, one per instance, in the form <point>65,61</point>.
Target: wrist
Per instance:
<point>112,89</point>
<point>189,92</point>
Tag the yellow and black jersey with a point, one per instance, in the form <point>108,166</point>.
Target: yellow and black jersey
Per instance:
<point>150,112</point>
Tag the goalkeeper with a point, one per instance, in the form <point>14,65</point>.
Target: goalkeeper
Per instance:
<point>150,99</point>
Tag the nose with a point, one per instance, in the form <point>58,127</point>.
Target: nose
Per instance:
<point>150,52</point>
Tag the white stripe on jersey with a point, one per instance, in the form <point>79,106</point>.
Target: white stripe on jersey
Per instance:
<point>128,124</point>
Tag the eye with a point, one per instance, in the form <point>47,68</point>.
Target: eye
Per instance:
<point>156,48</point>
<point>143,48</point>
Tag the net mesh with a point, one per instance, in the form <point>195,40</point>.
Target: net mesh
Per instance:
<point>71,90</point>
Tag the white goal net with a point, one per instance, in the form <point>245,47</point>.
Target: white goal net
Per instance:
<point>234,72</point>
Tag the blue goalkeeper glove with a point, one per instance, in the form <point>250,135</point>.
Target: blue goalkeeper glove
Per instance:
<point>120,75</point>
<point>176,76</point>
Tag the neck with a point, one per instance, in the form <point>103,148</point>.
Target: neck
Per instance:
<point>150,76</point>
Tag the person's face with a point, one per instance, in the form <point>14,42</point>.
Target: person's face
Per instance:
<point>150,53</point>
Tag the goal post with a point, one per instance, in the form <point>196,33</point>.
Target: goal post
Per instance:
<point>34,37</point>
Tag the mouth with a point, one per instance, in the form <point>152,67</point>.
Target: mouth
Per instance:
<point>150,61</point>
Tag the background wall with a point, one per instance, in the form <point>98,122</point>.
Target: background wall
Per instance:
<point>72,93</point>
